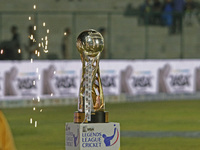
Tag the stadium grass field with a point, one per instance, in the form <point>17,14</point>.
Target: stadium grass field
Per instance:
<point>136,116</point>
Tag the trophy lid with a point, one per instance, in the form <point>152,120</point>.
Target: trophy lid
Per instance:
<point>90,42</point>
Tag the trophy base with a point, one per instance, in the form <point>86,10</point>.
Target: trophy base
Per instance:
<point>96,117</point>
<point>92,136</point>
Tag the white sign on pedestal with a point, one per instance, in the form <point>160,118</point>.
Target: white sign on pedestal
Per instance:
<point>92,136</point>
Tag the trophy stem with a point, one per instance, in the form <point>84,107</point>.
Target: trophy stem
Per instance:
<point>96,117</point>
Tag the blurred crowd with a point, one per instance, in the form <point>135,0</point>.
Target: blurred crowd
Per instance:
<point>171,13</point>
<point>11,49</point>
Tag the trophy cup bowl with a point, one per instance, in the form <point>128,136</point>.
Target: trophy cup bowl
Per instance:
<point>90,42</point>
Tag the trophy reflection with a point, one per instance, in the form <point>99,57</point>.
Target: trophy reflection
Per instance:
<point>91,105</point>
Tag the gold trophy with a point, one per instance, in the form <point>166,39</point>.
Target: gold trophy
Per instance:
<point>91,105</point>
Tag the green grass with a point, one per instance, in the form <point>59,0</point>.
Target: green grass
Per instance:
<point>140,116</point>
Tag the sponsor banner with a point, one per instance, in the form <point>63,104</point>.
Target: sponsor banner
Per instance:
<point>177,77</point>
<point>61,78</point>
<point>197,76</point>
<point>110,73</point>
<point>92,136</point>
<point>139,77</point>
<point>4,65</point>
<point>21,80</point>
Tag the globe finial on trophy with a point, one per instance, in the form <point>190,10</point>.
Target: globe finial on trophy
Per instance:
<point>91,105</point>
<point>90,42</point>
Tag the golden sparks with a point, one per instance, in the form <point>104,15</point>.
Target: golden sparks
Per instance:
<point>1,51</point>
<point>31,120</point>
<point>19,51</point>
<point>34,6</point>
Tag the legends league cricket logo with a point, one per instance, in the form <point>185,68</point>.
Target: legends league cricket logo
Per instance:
<point>76,138</point>
<point>109,138</point>
<point>73,136</point>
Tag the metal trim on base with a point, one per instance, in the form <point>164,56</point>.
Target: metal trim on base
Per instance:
<point>96,117</point>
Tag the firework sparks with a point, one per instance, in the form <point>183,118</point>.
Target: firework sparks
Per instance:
<point>38,99</point>
<point>39,77</point>
<point>19,51</point>
<point>35,123</point>
<point>1,51</point>
<point>38,54</point>
<point>31,37</point>
<point>31,120</point>
<point>41,41</point>
<point>44,24</point>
